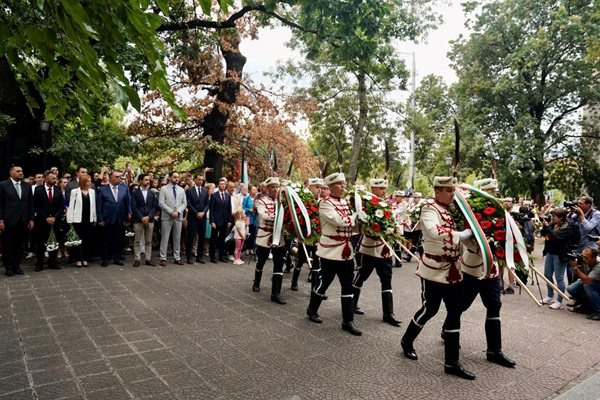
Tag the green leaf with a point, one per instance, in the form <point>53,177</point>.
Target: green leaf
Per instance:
<point>205,4</point>
<point>134,98</point>
<point>164,6</point>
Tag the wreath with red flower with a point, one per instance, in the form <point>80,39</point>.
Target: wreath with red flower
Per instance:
<point>310,203</point>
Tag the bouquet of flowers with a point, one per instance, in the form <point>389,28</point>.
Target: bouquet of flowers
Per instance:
<point>72,238</point>
<point>414,213</point>
<point>51,243</point>
<point>294,221</point>
<point>375,216</point>
<point>129,233</point>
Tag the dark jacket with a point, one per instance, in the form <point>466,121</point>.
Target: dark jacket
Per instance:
<point>109,211</point>
<point>12,209</point>
<point>195,203</point>
<point>141,208</point>
<point>44,208</point>
<point>558,242</point>
<point>220,211</point>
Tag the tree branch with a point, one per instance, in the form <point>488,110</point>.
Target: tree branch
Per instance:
<point>203,23</point>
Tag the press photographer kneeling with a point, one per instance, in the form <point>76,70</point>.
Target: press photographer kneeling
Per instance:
<point>586,289</point>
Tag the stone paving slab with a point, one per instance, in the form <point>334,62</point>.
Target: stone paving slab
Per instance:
<point>199,332</point>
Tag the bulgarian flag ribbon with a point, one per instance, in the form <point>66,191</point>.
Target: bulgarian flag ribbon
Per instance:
<point>486,251</point>
<point>278,222</point>
<point>292,199</point>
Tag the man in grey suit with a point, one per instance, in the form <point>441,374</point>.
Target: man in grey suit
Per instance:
<point>172,203</point>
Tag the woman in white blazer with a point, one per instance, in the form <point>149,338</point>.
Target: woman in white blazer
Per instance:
<point>82,214</point>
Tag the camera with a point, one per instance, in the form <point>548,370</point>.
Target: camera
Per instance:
<point>547,218</point>
<point>573,256</point>
<point>569,204</point>
<point>520,217</point>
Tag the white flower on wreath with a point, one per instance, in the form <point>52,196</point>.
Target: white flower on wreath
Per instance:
<point>389,231</point>
<point>367,197</point>
<point>383,204</point>
<point>363,216</point>
<point>379,213</point>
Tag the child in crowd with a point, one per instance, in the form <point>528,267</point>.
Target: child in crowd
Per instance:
<point>239,235</point>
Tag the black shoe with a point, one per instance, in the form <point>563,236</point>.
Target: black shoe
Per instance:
<point>277,299</point>
<point>104,263</point>
<point>509,290</point>
<point>350,327</point>
<point>498,357</point>
<point>294,288</point>
<point>38,268</point>
<point>200,260</point>
<point>358,311</point>
<point>255,288</point>
<point>223,259</point>
<point>391,319</point>
<point>458,370</point>
<point>190,261</point>
<point>213,260</point>
<point>118,262</point>
<point>409,351</point>
<point>10,273</point>
<point>594,317</point>
<point>136,263</point>
<point>18,271</point>
<point>313,316</point>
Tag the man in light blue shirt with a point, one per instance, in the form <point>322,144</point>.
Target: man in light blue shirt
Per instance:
<point>588,220</point>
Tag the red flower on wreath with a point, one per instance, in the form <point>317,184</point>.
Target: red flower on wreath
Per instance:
<point>478,216</point>
<point>489,210</point>
<point>376,227</point>
<point>387,214</point>
<point>500,235</point>
<point>500,252</point>
<point>374,201</point>
<point>517,256</point>
<point>499,223</point>
<point>485,225</point>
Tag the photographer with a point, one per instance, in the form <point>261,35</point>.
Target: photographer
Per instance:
<point>586,290</point>
<point>588,220</point>
<point>558,235</point>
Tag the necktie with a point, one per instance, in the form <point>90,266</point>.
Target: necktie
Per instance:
<point>198,191</point>
<point>18,189</point>
<point>50,194</point>
<point>222,197</point>
<point>174,193</point>
<point>115,193</point>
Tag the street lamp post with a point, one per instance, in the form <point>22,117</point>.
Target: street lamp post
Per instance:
<point>411,161</point>
<point>243,144</point>
<point>449,164</point>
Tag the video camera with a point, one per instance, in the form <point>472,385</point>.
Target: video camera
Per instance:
<point>569,204</point>
<point>574,256</point>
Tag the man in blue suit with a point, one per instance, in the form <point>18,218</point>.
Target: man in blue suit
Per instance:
<point>220,220</point>
<point>113,210</point>
<point>197,203</point>
<point>144,207</point>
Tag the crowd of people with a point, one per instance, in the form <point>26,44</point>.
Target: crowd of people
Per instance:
<point>111,211</point>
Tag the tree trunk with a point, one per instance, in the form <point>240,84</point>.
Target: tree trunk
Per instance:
<point>537,183</point>
<point>215,123</point>
<point>363,109</point>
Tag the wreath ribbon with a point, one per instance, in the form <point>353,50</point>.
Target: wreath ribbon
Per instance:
<point>478,234</point>
<point>293,199</point>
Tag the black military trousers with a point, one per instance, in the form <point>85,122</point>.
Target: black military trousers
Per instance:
<point>489,291</point>
<point>432,294</point>
<point>344,271</point>
<point>312,253</point>
<point>262,255</point>
<point>383,267</point>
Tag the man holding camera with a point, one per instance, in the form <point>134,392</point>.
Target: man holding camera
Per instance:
<point>587,287</point>
<point>588,220</point>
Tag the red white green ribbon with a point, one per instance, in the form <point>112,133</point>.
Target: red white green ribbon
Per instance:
<point>478,234</point>
<point>278,222</point>
<point>293,199</point>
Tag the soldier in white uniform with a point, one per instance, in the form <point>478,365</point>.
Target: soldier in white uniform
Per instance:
<point>335,252</point>
<point>314,185</point>
<point>440,274</point>
<point>265,208</point>
<point>375,255</point>
<point>488,288</point>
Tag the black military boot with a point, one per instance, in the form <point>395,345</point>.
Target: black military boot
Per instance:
<point>451,349</point>
<point>313,307</point>
<point>408,339</point>
<point>276,289</point>
<point>348,316</point>
<point>295,276</point>
<point>494,352</point>
<point>309,277</point>
<point>257,278</point>
<point>357,309</point>
<point>288,263</point>
<point>387,304</point>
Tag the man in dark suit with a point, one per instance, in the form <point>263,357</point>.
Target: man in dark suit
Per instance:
<point>48,205</point>
<point>144,207</point>
<point>75,182</point>
<point>16,216</point>
<point>220,220</point>
<point>113,210</point>
<point>197,203</point>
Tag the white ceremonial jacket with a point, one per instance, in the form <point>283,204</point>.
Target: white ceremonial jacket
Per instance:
<point>441,245</point>
<point>265,208</point>
<point>336,230</point>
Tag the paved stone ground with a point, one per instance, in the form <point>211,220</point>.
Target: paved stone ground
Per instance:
<point>199,332</point>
